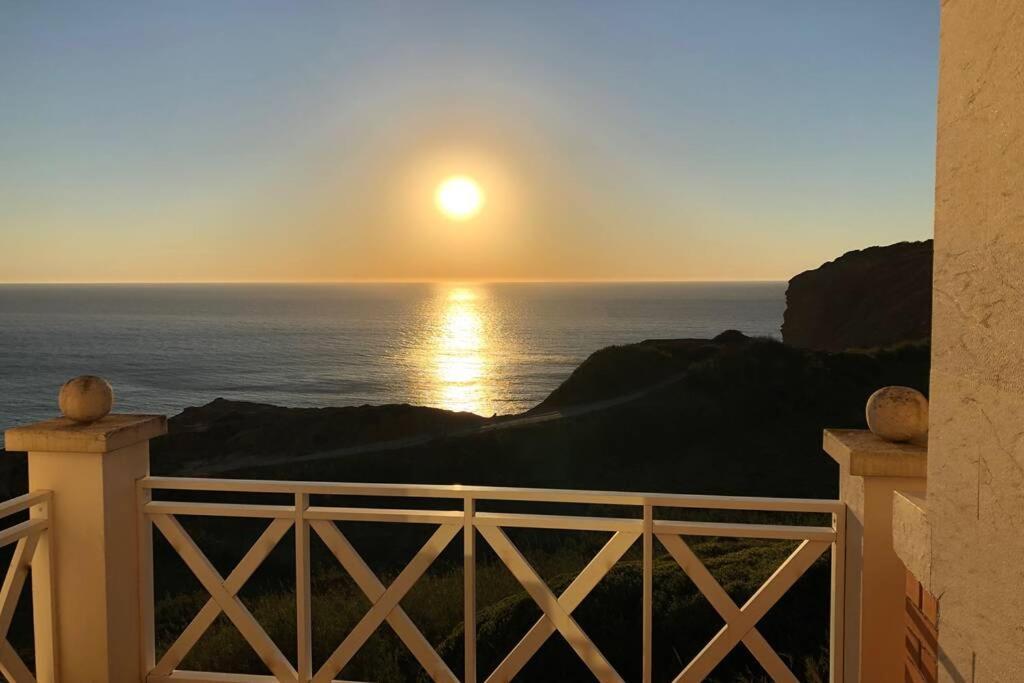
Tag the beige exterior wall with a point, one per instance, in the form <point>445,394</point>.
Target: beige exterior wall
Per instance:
<point>976,448</point>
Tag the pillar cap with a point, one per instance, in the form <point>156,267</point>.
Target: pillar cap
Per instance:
<point>864,454</point>
<point>62,435</point>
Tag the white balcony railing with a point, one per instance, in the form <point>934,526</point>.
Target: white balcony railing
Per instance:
<point>639,523</point>
<point>30,537</point>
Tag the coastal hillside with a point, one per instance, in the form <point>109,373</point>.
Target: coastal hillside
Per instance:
<point>731,415</point>
<point>864,299</point>
<point>740,417</point>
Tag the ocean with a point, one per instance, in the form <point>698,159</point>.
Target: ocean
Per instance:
<point>484,348</point>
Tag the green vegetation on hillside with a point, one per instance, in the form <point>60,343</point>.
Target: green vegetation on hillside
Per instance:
<point>732,416</point>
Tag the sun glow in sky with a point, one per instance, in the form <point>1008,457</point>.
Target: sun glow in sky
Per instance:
<point>459,197</point>
<point>246,140</point>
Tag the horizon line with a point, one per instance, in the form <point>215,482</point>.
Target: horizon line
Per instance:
<point>392,281</point>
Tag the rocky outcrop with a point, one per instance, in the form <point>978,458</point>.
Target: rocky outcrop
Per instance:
<point>869,298</point>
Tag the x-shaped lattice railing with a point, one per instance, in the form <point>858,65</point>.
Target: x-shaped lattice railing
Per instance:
<point>740,623</point>
<point>224,596</point>
<point>223,592</point>
<point>740,626</point>
<point>385,601</point>
<point>557,611</point>
<point>10,663</point>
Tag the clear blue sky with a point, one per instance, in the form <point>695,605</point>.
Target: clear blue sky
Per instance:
<point>693,139</point>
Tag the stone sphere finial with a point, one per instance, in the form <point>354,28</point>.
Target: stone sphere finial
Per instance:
<point>86,398</point>
<point>898,414</point>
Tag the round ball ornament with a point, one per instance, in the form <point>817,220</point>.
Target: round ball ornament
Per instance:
<point>86,398</point>
<point>898,414</point>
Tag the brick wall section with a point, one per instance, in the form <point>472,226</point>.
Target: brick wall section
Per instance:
<point>922,619</point>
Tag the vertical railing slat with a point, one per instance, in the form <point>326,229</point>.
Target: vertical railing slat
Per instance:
<point>147,626</point>
<point>303,608</point>
<point>469,588</point>
<point>837,630</point>
<point>44,604</point>
<point>648,595</point>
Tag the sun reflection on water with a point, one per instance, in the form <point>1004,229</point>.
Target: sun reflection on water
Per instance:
<point>461,352</point>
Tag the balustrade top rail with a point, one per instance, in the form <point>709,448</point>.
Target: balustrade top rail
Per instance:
<point>461,491</point>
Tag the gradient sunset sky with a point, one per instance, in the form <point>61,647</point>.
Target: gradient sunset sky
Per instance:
<point>258,141</point>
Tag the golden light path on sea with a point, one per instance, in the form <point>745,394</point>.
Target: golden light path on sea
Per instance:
<point>461,352</point>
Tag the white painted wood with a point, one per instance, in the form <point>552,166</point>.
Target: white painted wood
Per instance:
<point>23,502</point>
<point>15,533</point>
<point>563,522</point>
<point>10,663</point>
<point>569,600</point>
<point>237,612</point>
<point>726,608</point>
<point>545,599</point>
<point>44,602</point>
<point>211,677</point>
<point>387,602</point>
<point>303,603</point>
<point>469,589</point>
<point>837,632</point>
<point>774,531</point>
<point>208,677</point>
<point>756,607</point>
<point>371,586</point>
<point>165,507</point>
<point>249,563</point>
<point>338,514</point>
<point>740,622</point>
<point>147,618</point>
<point>92,574</point>
<point>458,491</point>
<point>12,667</point>
<point>648,594</point>
<point>14,580</point>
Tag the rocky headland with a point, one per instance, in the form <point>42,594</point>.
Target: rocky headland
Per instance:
<point>864,299</point>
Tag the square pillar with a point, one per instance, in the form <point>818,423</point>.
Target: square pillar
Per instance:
<point>870,470</point>
<point>92,548</point>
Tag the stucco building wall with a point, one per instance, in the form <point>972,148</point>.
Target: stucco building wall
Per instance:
<point>976,447</point>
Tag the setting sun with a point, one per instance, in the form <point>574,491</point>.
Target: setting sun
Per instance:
<point>459,198</point>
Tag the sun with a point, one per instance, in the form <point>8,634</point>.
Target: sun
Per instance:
<point>459,197</point>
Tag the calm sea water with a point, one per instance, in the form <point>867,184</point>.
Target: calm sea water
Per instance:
<point>483,348</point>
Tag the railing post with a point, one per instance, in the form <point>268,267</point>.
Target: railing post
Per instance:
<point>303,605</point>
<point>648,594</point>
<point>147,621</point>
<point>837,637</point>
<point>93,547</point>
<point>873,577</point>
<point>469,588</point>
<point>44,608</point>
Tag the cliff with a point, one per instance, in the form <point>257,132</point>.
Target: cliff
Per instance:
<point>864,299</point>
